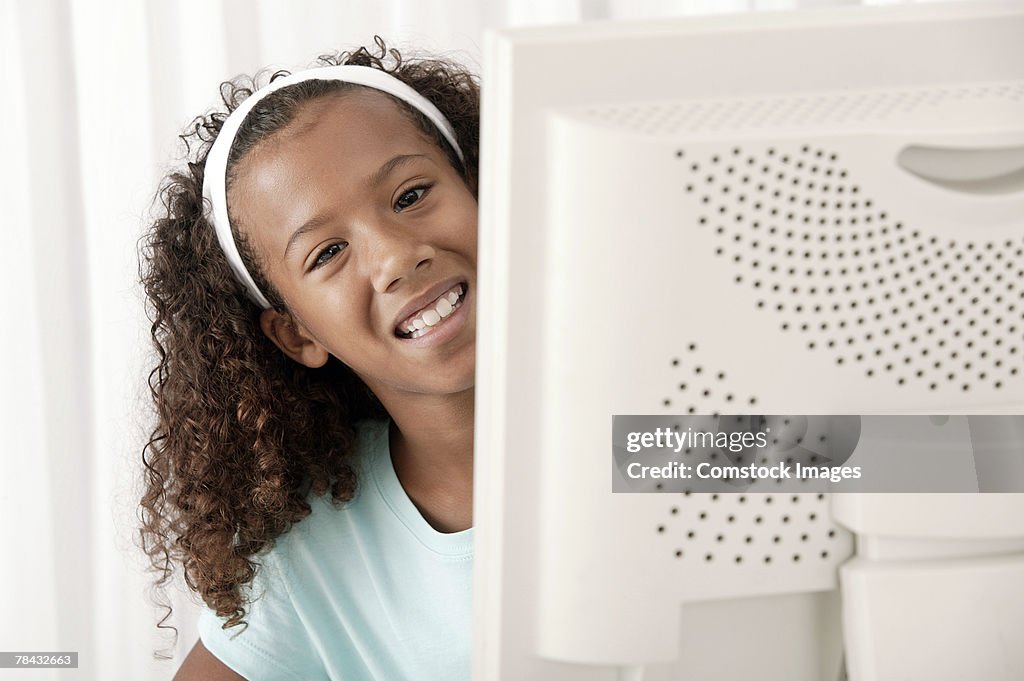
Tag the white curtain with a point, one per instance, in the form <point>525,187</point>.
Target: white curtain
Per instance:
<point>94,96</point>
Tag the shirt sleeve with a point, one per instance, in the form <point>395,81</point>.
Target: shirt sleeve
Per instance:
<point>275,646</point>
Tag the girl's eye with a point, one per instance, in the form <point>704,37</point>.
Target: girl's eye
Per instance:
<point>410,197</point>
<point>328,253</point>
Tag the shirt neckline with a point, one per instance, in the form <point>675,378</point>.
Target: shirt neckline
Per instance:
<point>390,487</point>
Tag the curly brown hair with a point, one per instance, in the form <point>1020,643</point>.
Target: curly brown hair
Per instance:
<point>243,434</point>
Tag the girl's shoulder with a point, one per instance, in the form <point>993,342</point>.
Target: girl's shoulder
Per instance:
<point>370,452</point>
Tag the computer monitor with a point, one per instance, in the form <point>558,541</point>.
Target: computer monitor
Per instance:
<point>819,212</point>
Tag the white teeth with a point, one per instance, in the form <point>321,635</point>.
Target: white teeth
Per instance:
<point>445,305</point>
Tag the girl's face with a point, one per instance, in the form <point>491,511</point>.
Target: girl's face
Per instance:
<point>365,228</point>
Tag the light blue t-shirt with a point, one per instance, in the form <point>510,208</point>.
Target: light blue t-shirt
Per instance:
<point>369,592</point>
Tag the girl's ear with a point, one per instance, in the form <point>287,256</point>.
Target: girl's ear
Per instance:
<point>293,339</point>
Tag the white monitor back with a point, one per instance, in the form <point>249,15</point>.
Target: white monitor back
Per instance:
<point>801,213</point>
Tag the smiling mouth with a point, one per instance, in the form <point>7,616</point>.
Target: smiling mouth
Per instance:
<point>434,314</point>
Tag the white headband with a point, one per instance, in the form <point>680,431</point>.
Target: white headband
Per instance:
<point>215,173</point>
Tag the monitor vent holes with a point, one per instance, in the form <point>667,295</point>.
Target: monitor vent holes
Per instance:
<point>797,112</point>
<point>753,530</point>
<point>698,388</point>
<point>881,297</point>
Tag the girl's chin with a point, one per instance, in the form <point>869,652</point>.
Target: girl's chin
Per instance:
<point>454,386</point>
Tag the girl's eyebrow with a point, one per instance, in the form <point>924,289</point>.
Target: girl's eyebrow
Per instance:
<point>308,226</point>
<point>375,179</point>
<point>389,167</point>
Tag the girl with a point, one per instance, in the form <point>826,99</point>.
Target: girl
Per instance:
<point>311,289</point>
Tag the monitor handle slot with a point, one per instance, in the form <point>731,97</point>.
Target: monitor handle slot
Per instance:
<point>968,170</point>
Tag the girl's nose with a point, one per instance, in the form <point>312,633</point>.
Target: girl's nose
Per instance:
<point>396,253</point>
